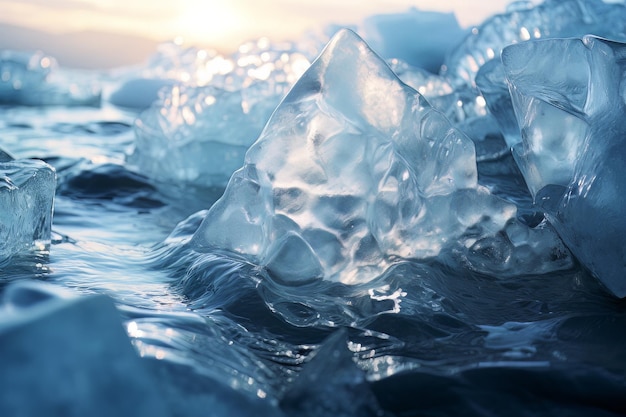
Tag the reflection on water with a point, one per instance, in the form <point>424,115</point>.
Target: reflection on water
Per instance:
<point>223,319</point>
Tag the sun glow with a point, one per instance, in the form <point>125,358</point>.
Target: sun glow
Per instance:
<point>207,22</point>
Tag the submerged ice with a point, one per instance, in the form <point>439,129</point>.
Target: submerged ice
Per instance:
<point>355,171</point>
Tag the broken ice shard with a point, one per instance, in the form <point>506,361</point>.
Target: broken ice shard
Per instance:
<point>550,19</point>
<point>354,171</point>
<point>34,79</point>
<point>27,190</point>
<point>573,150</point>
<point>63,355</point>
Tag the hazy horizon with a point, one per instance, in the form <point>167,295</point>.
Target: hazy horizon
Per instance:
<point>216,24</point>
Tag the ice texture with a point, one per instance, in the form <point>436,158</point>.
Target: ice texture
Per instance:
<point>63,355</point>
<point>172,64</point>
<point>199,134</point>
<point>253,60</point>
<point>491,82</point>
<point>572,154</point>
<point>354,171</point>
<point>27,188</point>
<point>34,79</point>
<point>550,19</point>
<point>426,83</point>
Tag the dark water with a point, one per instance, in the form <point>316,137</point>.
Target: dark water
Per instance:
<point>427,340</point>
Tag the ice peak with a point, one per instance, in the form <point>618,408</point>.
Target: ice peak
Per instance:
<point>353,171</point>
<point>350,76</point>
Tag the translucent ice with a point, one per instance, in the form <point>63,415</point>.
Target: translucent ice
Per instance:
<point>200,134</point>
<point>27,190</point>
<point>426,83</point>
<point>491,82</point>
<point>173,64</point>
<point>35,79</point>
<point>551,19</point>
<point>597,17</point>
<point>573,131</point>
<point>353,171</point>
<point>63,355</point>
<point>253,61</point>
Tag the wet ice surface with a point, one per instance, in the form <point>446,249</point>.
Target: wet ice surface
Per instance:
<point>571,154</point>
<point>217,330</point>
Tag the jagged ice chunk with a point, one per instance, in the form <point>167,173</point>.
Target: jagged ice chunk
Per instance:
<point>27,190</point>
<point>550,19</point>
<point>353,171</point>
<point>572,154</point>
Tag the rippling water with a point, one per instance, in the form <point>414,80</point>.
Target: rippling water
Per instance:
<point>430,340</point>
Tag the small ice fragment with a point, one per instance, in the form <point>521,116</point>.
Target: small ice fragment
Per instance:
<point>27,190</point>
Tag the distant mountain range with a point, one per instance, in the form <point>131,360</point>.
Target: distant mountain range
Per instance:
<point>88,49</point>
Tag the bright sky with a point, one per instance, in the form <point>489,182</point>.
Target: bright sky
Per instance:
<point>219,23</point>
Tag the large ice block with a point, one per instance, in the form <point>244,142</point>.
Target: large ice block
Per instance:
<point>353,172</point>
<point>27,190</point>
<point>550,19</point>
<point>574,135</point>
<point>64,356</point>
